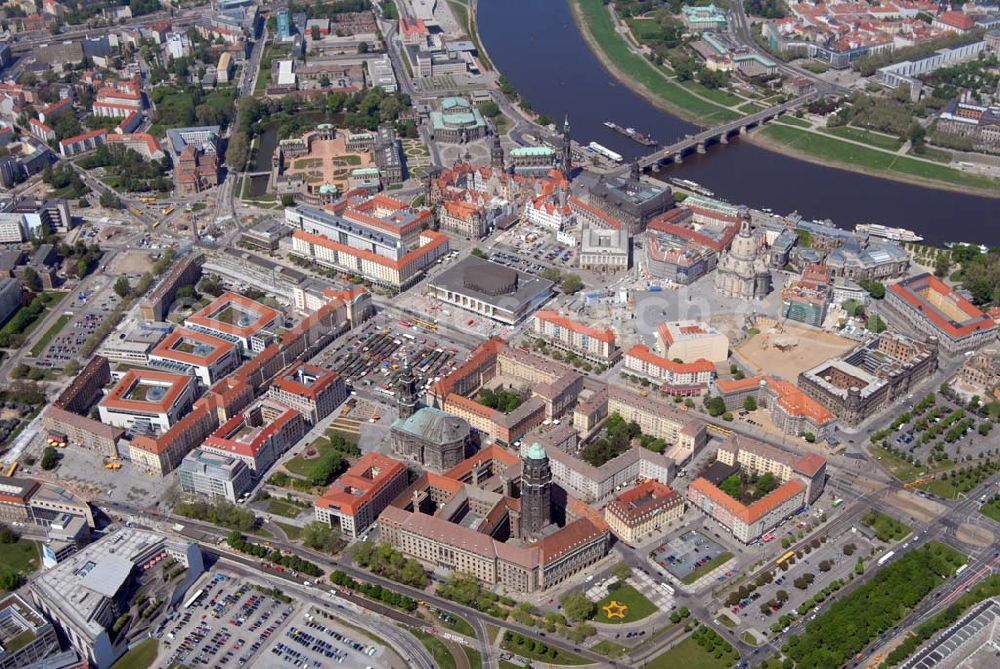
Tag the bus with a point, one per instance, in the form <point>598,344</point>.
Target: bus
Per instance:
<point>194,598</point>
<point>11,469</point>
<point>427,325</point>
<point>885,558</point>
<point>837,502</point>
<point>785,557</point>
<point>961,569</point>
<point>719,430</point>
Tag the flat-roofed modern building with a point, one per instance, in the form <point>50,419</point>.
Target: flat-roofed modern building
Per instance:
<point>213,475</point>
<point>643,510</point>
<point>85,594</point>
<point>258,436</point>
<point>148,401</point>
<point>936,310</point>
<point>237,319</point>
<point>360,494</point>
<point>691,340</point>
<point>376,237</point>
<point>311,390</point>
<point>191,352</point>
<point>487,289</point>
<point>26,636</point>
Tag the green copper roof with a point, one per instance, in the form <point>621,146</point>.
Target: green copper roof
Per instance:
<point>536,452</point>
<point>532,151</point>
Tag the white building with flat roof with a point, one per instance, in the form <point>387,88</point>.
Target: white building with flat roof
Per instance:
<point>85,594</point>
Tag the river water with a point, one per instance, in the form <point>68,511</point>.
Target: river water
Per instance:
<point>537,46</point>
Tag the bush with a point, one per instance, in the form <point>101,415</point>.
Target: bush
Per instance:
<point>49,458</point>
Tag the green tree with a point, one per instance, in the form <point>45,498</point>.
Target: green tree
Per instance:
<point>750,404</point>
<point>576,606</point>
<point>31,280</point>
<point>942,264</point>
<point>49,458</point>
<point>622,571</point>
<point>122,287</point>
<point>571,284</point>
<point>489,109</point>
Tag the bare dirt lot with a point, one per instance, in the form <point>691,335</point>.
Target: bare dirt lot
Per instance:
<point>975,535</point>
<point>924,510</point>
<point>791,348</point>
<point>132,262</point>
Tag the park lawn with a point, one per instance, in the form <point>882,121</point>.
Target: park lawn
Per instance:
<point>866,137</point>
<point>306,467</point>
<point>638,606</point>
<point>50,334</point>
<point>946,489</point>
<point>442,656</point>
<point>609,648</point>
<point>829,148</point>
<point>306,163</point>
<point>749,639</point>
<point>20,557</point>
<point>931,153</point>
<point>751,108</point>
<point>727,621</point>
<point>718,561</point>
<point>293,532</point>
<point>900,468</point>
<point>991,509</point>
<point>714,94</point>
<point>793,120</point>
<point>886,528</point>
<point>140,656</point>
<point>689,655</point>
<point>283,508</point>
<point>598,23</point>
<point>562,657</point>
<point>457,623</point>
<point>475,659</point>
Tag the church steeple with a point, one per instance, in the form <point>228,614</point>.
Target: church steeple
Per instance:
<point>496,153</point>
<point>566,161</point>
<point>406,389</point>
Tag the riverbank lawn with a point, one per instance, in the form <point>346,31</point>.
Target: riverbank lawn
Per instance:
<point>638,606</point>
<point>866,137</point>
<point>601,29</point>
<point>20,557</point>
<point>872,160</point>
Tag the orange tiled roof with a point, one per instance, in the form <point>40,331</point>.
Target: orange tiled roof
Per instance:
<point>549,316</point>
<point>643,353</point>
<point>906,291</point>
<point>361,483</point>
<point>754,512</point>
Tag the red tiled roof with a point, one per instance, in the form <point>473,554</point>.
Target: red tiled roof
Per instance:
<point>906,290</point>
<point>549,316</point>
<point>266,315</point>
<point>643,353</point>
<point>176,383</point>
<point>219,347</point>
<point>84,137</point>
<point>753,512</point>
<point>288,382</point>
<point>223,439</point>
<point>361,482</point>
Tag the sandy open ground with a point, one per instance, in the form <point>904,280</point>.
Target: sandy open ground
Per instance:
<point>923,509</point>
<point>975,535</point>
<point>793,349</point>
<point>132,262</point>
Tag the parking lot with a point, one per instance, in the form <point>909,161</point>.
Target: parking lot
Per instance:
<point>88,310</point>
<point>226,625</point>
<point>682,555</point>
<point>314,639</point>
<point>372,359</point>
<point>530,247</point>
